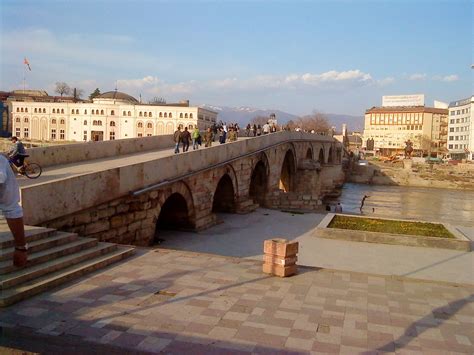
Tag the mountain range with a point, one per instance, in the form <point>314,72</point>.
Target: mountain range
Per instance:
<point>243,115</point>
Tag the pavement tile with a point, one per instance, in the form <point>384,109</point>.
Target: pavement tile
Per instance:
<point>153,344</point>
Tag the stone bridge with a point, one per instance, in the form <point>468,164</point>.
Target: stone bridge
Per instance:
<point>126,191</point>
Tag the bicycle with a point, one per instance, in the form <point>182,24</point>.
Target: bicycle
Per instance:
<point>30,170</point>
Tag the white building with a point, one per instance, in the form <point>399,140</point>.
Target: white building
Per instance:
<point>461,129</point>
<point>112,115</point>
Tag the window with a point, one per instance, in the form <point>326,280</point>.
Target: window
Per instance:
<point>61,134</point>
<point>54,110</point>
<point>145,114</point>
<point>18,119</point>
<point>44,110</point>
<point>191,126</point>
<point>181,115</point>
<point>451,129</point>
<point>458,112</point>
<point>36,110</point>
<point>161,114</point>
<point>140,125</point>
<point>190,115</point>
<point>53,121</point>
<point>149,125</point>
<point>94,122</point>
<point>53,134</point>
<point>17,132</point>
<point>25,133</point>
<point>92,112</point>
<point>101,112</point>
<point>148,134</point>
<point>185,115</point>
<point>149,114</point>
<point>22,110</point>
<point>99,123</point>
<point>124,113</point>
<point>77,111</point>
<point>129,113</point>
<point>112,113</point>
<point>26,109</point>
<point>72,111</point>
<point>170,115</point>
<point>112,123</point>
<point>85,112</point>
<point>85,136</point>
<point>140,114</point>
<point>165,115</point>
<point>17,109</point>
<point>85,122</point>
<point>62,122</point>
<point>25,119</point>
<point>112,136</point>
<point>139,135</point>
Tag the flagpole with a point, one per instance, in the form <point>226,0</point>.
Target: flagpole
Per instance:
<point>24,79</point>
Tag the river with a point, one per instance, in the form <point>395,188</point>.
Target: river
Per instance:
<point>438,205</point>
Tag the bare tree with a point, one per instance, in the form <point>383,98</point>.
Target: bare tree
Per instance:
<point>157,101</point>
<point>316,121</point>
<point>425,143</point>
<point>259,120</point>
<point>62,88</point>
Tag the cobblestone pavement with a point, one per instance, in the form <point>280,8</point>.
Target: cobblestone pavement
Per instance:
<point>179,302</point>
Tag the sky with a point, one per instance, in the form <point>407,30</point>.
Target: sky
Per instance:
<point>295,56</point>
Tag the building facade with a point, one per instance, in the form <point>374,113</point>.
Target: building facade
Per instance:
<point>461,129</point>
<point>391,126</point>
<point>112,115</point>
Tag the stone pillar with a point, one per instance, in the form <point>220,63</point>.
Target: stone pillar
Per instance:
<point>280,257</point>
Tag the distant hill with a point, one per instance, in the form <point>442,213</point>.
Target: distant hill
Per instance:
<point>243,115</point>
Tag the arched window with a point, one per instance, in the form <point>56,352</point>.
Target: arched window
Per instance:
<point>166,115</point>
<point>161,114</point>
<point>124,113</point>
<point>85,122</point>
<point>129,113</point>
<point>149,114</point>
<point>54,110</point>
<point>17,109</point>
<point>101,112</point>
<point>140,125</point>
<point>53,121</point>
<point>72,111</point>
<point>190,115</point>
<point>140,114</point>
<point>190,126</point>
<point>85,112</point>
<point>112,113</point>
<point>62,110</point>
<point>99,123</point>
<point>181,115</point>
<point>145,114</point>
<point>36,110</point>
<point>112,124</point>
<point>61,122</point>
<point>25,120</point>
<point>170,115</point>
<point>77,111</point>
<point>18,119</point>
<point>44,110</point>
<point>185,115</point>
<point>22,110</point>
<point>94,123</point>
<point>92,112</point>
<point>26,109</point>
<point>149,125</point>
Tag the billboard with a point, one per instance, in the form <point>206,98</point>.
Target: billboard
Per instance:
<point>403,100</point>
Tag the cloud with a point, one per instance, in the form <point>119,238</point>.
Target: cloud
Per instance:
<point>447,78</point>
<point>386,81</point>
<point>417,76</point>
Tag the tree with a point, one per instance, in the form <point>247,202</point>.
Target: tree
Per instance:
<point>94,94</point>
<point>316,121</point>
<point>425,143</point>
<point>157,101</point>
<point>62,88</point>
<point>77,93</point>
<point>259,120</point>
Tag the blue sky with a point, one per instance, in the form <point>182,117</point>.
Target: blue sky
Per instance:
<point>297,56</point>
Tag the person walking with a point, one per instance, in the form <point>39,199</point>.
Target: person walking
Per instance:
<point>266,128</point>
<point>362,203</point>
<point>177,139</point>
<point>185,138</point>
<point>208,138</point>
<point>195,136</point>
<point>259,130</point>
<point>11,209</point>
<point>254,130</point>
<point>232,135</point>
<point>221,136</point>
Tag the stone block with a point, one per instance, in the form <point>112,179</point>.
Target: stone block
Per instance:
<point>140,215</point>
<point>105,213</point>
<point>117,221</point>
<point>82,218</point>
<point>132,227</point>
<point>97,227</point>
<point>279,270</point>
<point>279,260</point>
<point>122,208</point>
<point>280,247</point>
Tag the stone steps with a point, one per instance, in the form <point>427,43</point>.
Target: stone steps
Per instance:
<point>53,258</point>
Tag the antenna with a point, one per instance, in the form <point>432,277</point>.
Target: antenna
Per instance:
<point>116,83</point>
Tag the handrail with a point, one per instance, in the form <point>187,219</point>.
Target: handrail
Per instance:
<point>167,182</point>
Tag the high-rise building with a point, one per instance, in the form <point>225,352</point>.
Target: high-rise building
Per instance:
<point>461,129</point>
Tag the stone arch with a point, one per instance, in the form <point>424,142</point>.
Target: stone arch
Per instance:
<point>288,171</point>
<point>175,209</point>
<point>259,182</point>
<point>331,156</point>
<point>224,195</point>
<point>309,153</point>
<point>321,156</point>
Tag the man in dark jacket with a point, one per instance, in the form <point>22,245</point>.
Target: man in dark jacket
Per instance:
<point>17,153</point>
<point>185,138</point>
<point>177,139</point>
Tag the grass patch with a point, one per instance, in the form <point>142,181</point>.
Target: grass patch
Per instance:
<point>387,226</point>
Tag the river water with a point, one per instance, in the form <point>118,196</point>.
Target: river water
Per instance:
<point>438,205</point>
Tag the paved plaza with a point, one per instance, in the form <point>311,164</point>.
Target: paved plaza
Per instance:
<point>179,302</point>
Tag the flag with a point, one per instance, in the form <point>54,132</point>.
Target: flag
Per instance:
<point>27,63</point>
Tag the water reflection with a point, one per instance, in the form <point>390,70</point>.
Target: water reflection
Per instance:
<point>438,205</point>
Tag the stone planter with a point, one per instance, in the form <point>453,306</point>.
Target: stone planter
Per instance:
<point>280,257</point>
<point>458,243</point>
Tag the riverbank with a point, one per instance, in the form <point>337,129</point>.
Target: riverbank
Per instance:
<point>418,175</point>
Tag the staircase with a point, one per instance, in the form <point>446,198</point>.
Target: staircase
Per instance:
<point>54,258</point>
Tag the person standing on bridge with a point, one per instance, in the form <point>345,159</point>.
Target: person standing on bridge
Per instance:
<point>177,139</point>
<point>232,135</point>
<point>185,138</point>
<point>208,138</point>
<point>11,209</point>
<point>196,138</point>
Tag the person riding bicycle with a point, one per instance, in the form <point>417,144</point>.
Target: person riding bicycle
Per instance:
<point>17,153</point>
